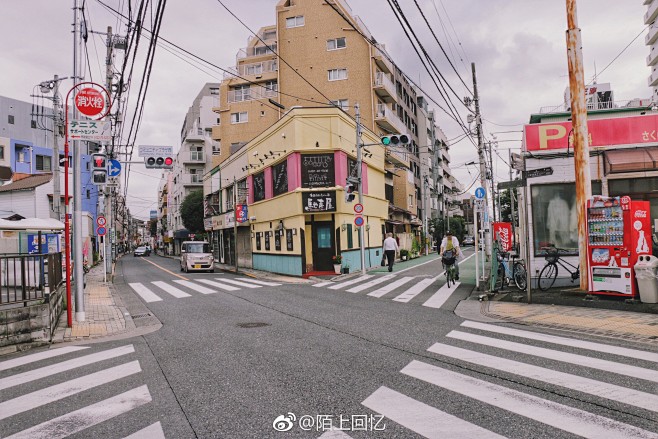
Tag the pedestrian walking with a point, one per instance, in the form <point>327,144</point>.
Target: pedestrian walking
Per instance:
<point>390,248</point>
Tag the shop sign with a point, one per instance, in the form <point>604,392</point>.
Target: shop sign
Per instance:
<point>207,223</point>
<point>217,222</point>
<point>503,233</point>
<point>229,219</point>
<point>324,201</point>
<point>634,130</point>
<point>242,212</point>
<point>318,170</point>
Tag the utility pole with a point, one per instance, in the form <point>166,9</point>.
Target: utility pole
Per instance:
<point>107,207</point>
<point>483,163</point>
<point>359,160</point>
<point>493,187</point>
<point>57,120</point>
<point>425,186</point>
<point>511,197</point>
<point>580,145</point>
<point>235,222</point>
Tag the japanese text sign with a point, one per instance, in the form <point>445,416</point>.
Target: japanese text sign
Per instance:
<point>319,201</point>
<point>95,130</point>
<point>89,101</point>
<point>503,233</point>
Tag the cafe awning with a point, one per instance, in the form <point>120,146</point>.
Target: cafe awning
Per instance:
<point>631,160</point>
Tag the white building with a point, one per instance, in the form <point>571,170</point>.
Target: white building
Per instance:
<point>651,40</point>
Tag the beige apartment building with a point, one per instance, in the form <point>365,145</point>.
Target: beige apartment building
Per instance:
<point>313,56</point>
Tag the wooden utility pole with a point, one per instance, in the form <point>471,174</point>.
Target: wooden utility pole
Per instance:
<point>580,136</point>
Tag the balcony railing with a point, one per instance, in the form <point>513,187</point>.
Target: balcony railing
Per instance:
<point>389,120</point>
<point>250,94</point>
<point>192,180</point>
<point>651,13</point>
<point>606,105</point>
<point>252,69</point>
<point>384,87</point>
<point>248,52</point>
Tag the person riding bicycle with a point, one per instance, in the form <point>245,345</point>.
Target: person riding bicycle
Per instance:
<point>450,251</point>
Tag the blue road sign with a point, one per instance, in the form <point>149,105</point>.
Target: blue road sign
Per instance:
<point>479,192</point>
<point>358,220</point>
<point>101,231</point>
<point>113,168</point>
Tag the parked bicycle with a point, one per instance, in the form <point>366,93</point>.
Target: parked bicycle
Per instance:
<point>548,274</point>
<point>448,260</point>
<point>507,272</point>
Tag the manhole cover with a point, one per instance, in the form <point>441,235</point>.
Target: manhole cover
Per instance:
<point>252,325</point>
<point>141,316</point>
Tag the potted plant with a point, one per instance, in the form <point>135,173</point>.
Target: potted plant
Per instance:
<point>337,260</point>
<point>404,254</point>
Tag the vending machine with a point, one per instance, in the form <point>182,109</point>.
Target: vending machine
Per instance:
<point>619,230</point>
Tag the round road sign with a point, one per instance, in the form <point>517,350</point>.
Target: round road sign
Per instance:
<point>100,231</point>
<point>101,221</point>
<point>358,221</point>
<point>358,208</point>
<point>479,192</point>
<point>89,101</point>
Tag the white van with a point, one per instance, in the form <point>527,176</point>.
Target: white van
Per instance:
<point>196,255</point>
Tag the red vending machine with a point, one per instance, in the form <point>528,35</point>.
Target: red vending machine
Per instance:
<point>619,230</point>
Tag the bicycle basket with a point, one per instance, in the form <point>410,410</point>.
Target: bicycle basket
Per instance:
<point>448,257</point>
<point>551,255</point>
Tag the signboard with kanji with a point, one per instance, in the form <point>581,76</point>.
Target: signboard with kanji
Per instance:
<point>241,213</point>
<point>89,101</point>
<point>324,201</point>
<point>95,130</point>
<point>155,151</point>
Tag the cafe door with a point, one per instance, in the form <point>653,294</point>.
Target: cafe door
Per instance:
<point>323,246</point>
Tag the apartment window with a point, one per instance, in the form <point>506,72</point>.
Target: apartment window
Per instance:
<point>229,198</point>
<point>411,200</point>
<point>264,50</point>
<point>196,175</point>
<point>254,69</point>
<point>241,93</point>
<point>33,124</point>
<point>239,117</point>
<point>269,35</point>
<point>342,103</point>
<point>20,156</point>
<point>88,193</point>
<point>336,43</point>
<point>297,21</point>
<point>214,91</point>
<point>196,153</point>
<point>337,74</point>
<point>43,163</point>
<point>10,119</point>
<point>2,152</point>
<point>271,86</point>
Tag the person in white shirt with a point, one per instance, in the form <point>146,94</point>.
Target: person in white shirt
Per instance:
<point>451,243</point>
<point>390,248</point>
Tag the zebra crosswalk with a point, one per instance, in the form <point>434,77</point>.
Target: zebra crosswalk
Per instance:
<point>181,289</point>
<point>606,384</point>
<point>403,289</point>
<point>36,385</point>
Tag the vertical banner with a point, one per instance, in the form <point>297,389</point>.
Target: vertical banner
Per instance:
<point>503,233</point>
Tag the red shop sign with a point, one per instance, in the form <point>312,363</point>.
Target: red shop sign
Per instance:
<point>503,233</point>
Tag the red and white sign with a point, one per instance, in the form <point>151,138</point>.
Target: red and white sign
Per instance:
<point>636,130</point>
<point>358,208</point>
<point>359,221</point>
<point>503,233</point>
<point>101,221</point>
<point>89,101</point>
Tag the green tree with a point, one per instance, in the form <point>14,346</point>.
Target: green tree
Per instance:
<point>191,212</point>
<point>153,227</point>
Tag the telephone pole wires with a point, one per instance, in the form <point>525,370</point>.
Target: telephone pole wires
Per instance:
<point>482,159</point>
<point>359,161</point>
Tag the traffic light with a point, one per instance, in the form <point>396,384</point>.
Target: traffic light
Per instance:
<point>99,168</point>
<point>349,192</point>
<point>99,177</point>
<point>395,140</point>
<point>153,162</point>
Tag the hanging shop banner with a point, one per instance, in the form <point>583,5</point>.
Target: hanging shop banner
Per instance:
<point>503,233</point>
<point>289,245</point>
<point>318,170</point>
<point>242,213</point>
<point>259,186</point>
<point>319,201</point>
<point>280,178</point>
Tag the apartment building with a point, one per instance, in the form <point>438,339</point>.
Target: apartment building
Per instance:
<point>651,40</point>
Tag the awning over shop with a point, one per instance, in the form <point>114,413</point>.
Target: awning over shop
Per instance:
<point>631,160</point>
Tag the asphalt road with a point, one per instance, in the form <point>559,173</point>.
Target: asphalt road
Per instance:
<point>229,361</point>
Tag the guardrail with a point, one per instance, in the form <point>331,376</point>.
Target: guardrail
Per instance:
<point>26,278</point>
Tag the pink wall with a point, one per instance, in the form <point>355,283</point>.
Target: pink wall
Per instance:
<point>340,162</point>
<point>364,177</point>
<point>269,190</point>
<point>294,171</point>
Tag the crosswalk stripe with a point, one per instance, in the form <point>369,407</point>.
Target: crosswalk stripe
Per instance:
<point>581,360</point>
<point>60,391</point>
<point>86,417</point>
<point>26,377</point>
<point>192,286</point>
<point>351,282</point>
<point>414,290</point>
<point>423,419</point>
<point>372,283</point>
<point>171,289</point>
<point>323,284</point>
<point>145,293</point>
<point>586,385</point>
<point>219,285</point>
<point>242,284</point>
<point>27,359</point>
<point>625,352</point>
<point>260,282</point>
<point>153,431</point>
<point>439,298</point>
<point>562,417</point>
<point>390,287</point>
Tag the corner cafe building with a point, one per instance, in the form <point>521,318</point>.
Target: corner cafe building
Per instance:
<point>623,144</point>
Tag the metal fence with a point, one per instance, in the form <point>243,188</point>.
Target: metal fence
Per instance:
<point>26,278</point>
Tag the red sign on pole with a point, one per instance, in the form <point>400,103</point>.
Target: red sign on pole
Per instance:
<point>503,233</point>
<point>89,101</point>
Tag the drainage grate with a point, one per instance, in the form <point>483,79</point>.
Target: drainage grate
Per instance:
<point>252,325</point>
<point>141,316</point>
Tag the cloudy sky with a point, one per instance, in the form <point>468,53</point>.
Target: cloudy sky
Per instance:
<point>518,47</point>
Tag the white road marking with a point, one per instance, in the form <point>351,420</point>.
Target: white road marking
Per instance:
<point>439,298</point>
<point>242,284</point>
<point>56,368</point>
<point>60,391</point>
<point>145,293</point>
<point>372,283</point>
<point>171,289</point>
<point>390,287</point>
<point>219,285</point>
<point>195,287</point>
<point>414,290</point>
<point>351,281</point>
<point>323,284</point>
<point>581,360</point>
<point>423,419</point>
<point>86,417</point>
<point>586,385</point>
<point>260,282</point>
<point>625,352</point>
<point>431,260</point>
<point>562,417</point>
<point>153,431</point>
<point>27,359</point>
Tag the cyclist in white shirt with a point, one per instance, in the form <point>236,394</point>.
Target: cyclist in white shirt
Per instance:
<point>451,243</point>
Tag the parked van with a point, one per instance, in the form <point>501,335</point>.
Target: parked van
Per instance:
<point>196,255</point>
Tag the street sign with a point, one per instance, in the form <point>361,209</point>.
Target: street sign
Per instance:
<point>359,221</point>
<point>511,184</point>
<point>101,231</point>
<point>358,208</point>
<point>479,205</point>
<point>94,130</point>
<point>479,192</point>
<point>541,172</point>
<point>154,151</point>
<point>241,211</point>
<point>113,168</point>
<point>101,221</point>
<point>112,182</point>
<point>89,101</point>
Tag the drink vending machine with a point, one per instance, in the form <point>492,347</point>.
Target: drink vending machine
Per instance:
<point>618,231</point>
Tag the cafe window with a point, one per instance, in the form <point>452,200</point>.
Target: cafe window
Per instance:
<point>259,186</point>
<point>280,178</point>
<point>555,221</point>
